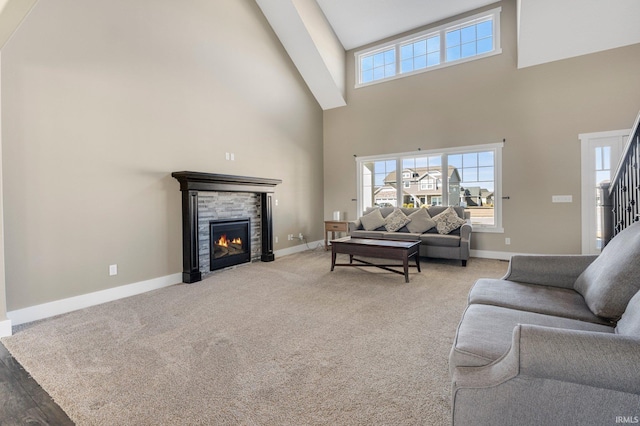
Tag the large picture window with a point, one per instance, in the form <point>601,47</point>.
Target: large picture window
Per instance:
<point>469,177</point>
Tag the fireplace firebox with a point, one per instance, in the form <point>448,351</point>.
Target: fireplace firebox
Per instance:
<point>229,242</point>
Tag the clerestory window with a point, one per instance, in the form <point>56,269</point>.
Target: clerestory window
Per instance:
<point>460,41</point>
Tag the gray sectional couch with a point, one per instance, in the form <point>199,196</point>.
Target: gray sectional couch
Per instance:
<point>555,341</point>
<point>452,245</point>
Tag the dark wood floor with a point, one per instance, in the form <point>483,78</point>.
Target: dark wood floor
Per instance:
<point>22,400</point>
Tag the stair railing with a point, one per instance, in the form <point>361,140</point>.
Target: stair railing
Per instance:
<point>624,191</point>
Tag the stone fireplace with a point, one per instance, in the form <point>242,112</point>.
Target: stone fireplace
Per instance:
<point>211,201</point>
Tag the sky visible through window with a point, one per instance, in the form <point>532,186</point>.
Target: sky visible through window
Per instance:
<point>420,54</point>
<point>379,65</point>
<point>475,169</point>
<point>469,41</point>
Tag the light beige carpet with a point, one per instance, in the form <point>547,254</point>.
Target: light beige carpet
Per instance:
<point>280,343</point>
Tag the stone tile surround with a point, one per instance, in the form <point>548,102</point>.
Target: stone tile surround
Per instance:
<point>227,205</point>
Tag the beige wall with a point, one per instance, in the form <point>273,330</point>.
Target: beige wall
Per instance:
<point>102,100</point>
<point>3,304</point>
<point>539,111</point>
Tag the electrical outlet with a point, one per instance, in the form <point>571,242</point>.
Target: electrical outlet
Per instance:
<point>276,239</point>
<point>113,270</point>
<point>300,236</point>
<point>507,241</point>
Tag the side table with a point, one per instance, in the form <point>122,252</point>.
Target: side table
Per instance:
<point>334,226</point>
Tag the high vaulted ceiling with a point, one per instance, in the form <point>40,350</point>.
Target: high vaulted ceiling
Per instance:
<point>548,30</point>
<point>316,33</point>
<point>360,22</point>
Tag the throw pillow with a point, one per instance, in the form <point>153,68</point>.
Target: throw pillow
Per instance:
<point>396,220</point>
<point>629,324</point>
<point>420,221</point>
<point>373,220</point>
<point>448,220</point>
<point>611,280</point>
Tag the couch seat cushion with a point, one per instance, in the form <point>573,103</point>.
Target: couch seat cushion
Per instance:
<point>611,280</point>
<point>440,240</point>
<point>485,332</point>
<point>368,234</point>
<point>542,299</point>
<point>401,236</point>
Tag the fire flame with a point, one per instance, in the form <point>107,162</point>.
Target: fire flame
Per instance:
<point>225,243</point>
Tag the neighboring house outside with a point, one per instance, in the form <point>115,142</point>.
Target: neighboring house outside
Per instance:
<point>473,196</point>
<point>420,186</point>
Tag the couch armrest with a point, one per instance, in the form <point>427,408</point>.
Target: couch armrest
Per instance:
<point>552,376</point>
<point>354,225</point>
<point>557,271</point>
<point>598,360</point>
<point>465,232</point>
<point>601,360</point>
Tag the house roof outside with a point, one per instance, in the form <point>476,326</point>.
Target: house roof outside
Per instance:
<point>421,173</point>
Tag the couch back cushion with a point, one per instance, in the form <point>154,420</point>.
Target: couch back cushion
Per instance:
<point>372,220</point>
<point>629,324</point>
<point>609,283</point>
<point>432,210</point>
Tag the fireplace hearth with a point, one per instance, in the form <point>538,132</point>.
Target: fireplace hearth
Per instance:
<point>229,243</point>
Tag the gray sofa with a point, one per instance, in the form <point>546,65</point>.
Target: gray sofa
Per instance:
<point>454,245</point>
<point>555,341</point>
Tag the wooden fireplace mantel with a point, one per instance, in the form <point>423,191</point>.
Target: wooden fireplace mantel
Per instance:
<point>191,183</point>
<point>197,181</point>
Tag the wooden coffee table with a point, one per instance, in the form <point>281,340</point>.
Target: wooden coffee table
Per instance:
<point>384,249</point>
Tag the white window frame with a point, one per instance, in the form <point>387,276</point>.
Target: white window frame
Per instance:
<point>495,147</point>
<point>493,14</point>
<point>588,142</point>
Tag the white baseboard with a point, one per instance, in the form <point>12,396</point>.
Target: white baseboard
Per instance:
<point>299,248</point>
<point>50,309</point>
<point>489,254</point>
<point>499,255</point>
<point>5,328</point>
